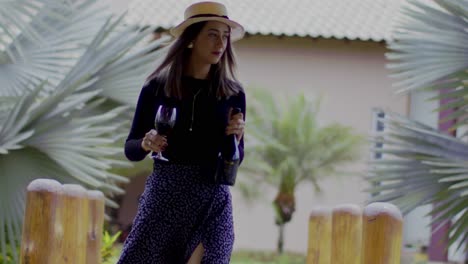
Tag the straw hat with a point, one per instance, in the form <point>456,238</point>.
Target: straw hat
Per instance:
<point>208,11</point>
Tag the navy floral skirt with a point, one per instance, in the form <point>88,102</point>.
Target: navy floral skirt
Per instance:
<point>176,212</point>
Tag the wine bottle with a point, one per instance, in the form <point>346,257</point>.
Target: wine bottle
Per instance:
<point>231,151</point>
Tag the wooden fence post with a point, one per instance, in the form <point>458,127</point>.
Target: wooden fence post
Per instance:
<point>346,234</point>
<point>63,224</point>
<point>320,232</point>
<point>382,234</point>
<point>95,227</point>
<point>41,227</point>
<point>75,224</point>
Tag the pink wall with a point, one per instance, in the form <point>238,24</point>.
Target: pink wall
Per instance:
<point>352,79</point>
<point>350,75</point>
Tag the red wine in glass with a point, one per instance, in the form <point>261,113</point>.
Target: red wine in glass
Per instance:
<point>163,128</point>
<point>164,123</point>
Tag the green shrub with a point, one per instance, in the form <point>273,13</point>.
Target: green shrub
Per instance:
<point>108,251</point>
<point>9,255</point>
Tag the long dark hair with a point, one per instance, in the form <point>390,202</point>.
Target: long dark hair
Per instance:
<point>222,74</point>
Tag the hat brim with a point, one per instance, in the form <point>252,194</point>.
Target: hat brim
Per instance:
<point>237,31</point>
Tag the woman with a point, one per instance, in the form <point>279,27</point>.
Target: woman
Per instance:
<point>182,207</point>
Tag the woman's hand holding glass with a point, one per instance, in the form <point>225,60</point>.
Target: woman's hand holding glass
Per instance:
<point>154,142</point>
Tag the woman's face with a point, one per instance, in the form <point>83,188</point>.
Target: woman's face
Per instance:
<point>211,42</point>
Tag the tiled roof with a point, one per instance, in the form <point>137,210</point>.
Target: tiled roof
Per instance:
<point>367,20</point>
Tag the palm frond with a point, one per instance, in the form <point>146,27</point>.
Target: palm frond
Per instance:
<point>63,40</point>
<point>16,17</point>
<point>79,149</point>
<point>287,143</point>
<point>431,44</point>
<point>67,137</point>
<point>64,99</point>
<point>125,74</point>
<point>420,166</point>
<point>12,125</point>
<point>431,53</point>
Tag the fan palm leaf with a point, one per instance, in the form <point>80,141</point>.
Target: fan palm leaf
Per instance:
<point>62,41</point>
<point>15,18</point>
<point>431,52</point>
<point>65,99</point>
<point>431,43</point>
<point>421,165</point>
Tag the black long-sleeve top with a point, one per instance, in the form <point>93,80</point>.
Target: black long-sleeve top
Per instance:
<point>199,110</point>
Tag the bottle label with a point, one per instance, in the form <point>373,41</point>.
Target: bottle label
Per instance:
<point>236,153</point>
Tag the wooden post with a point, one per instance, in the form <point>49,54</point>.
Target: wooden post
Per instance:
<point>95,226</point>
<point>75,224</point>
<point>382,234</point>
<point>320,232</point>
<point>41,228</point>
<point>346,234</point>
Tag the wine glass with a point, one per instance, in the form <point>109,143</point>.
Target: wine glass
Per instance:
<point>164,123</point>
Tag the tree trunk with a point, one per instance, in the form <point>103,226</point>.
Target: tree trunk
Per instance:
<point>280,238</point>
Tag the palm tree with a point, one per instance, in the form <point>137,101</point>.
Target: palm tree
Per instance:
<point>287,147</point>
<point>69,72</point>
<point>422,165</point>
